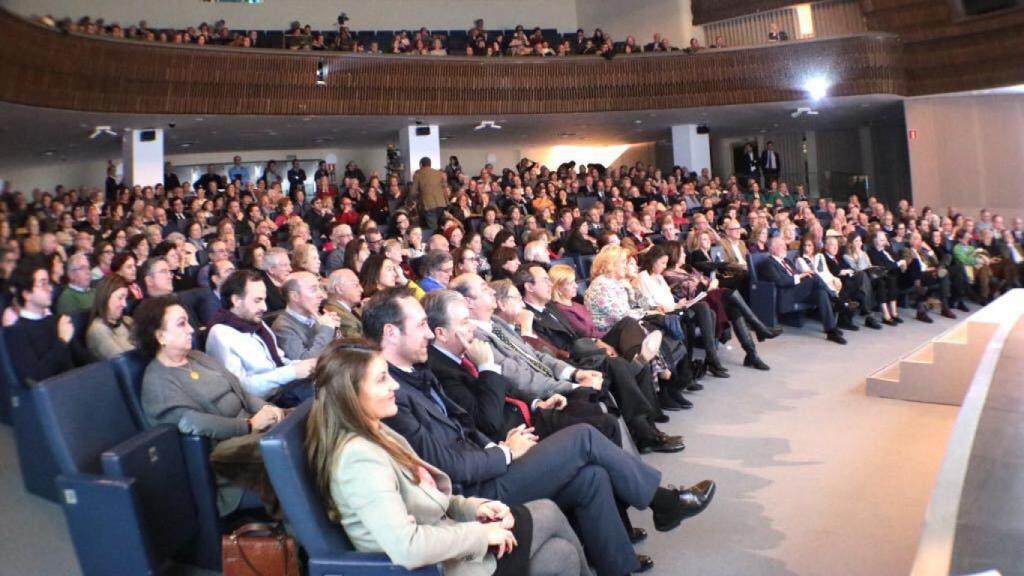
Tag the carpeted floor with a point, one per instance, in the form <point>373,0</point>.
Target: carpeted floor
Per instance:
<point>814,478</point>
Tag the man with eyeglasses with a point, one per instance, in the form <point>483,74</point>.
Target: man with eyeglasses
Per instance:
<point>301,330</point>
<point>437,268</point>
<point>78,295</point>
<point>217,251</point>
<point>344,293</point>
<point>735,255</point>
<point>39,343</point>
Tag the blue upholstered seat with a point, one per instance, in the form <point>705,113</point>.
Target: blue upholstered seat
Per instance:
<point>124,490</point>
<point>330,551</point>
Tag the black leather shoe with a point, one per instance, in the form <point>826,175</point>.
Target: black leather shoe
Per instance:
<point>771,333</point>
<point>680,400</point>
<point>692,501</point>
<point>872,323</point>
<point>637,535</point>
<point>961,306</point>
<point>898,319</point>
<point>660,418</point>
<point>847,324</point>
<point>834,336</point>
<point>890,322</point>
<point>664,444</point>
<point>718,371</point>
<point>666,402</point>
<point>753,361</point>
<point>646,563</point>
<point>695,387</point>
<point>924,317</point>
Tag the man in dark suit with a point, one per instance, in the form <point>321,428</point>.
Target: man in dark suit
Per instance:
<point>793,287</point>
<point>631,383</point>
<point>924,274</point>
<point>469,376</point>
<point>750,165</point>
<point>771,163</point>
<point>296,177</point>
<point>576,467</point>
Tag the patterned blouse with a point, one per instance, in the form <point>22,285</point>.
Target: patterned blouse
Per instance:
<point>611,300</point>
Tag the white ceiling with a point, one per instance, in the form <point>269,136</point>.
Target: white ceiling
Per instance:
<point>33,135</point>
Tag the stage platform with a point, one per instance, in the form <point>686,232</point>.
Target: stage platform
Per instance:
<point>975,519</point>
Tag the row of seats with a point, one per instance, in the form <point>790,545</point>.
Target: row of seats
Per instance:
<point>137,499</point>
<point>455,40</point>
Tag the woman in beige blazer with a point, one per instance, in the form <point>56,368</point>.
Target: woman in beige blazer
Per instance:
<point>389,500</point>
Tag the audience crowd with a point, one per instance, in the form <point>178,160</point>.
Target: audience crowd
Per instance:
<point>477,41</point>
<point>492,337</point>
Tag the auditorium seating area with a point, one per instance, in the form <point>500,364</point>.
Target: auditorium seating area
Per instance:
<point>518,41</point>
<point>119,480</point>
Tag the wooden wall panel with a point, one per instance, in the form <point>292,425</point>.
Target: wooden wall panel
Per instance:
<point>946,53</point>
<point>48,69</point>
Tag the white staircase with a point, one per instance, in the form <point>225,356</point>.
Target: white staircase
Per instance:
<point>940,370</point>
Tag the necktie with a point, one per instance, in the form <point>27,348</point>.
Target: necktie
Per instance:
<point>537,365</point>
<point>785,264</point>
<point>523,408</point>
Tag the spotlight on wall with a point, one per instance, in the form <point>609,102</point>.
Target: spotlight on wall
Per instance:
<point>817,87</point>
<point>321,73</point>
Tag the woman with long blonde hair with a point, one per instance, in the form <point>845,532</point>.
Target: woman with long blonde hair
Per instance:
<point>389,500</point>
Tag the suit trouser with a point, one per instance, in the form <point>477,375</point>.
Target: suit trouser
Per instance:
<point>815,292</point>
<point>583,407</point>
<point>585,474</point>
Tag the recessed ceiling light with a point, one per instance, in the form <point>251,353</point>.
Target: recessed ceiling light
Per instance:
<point>49,152</point>
<point>638,121</point>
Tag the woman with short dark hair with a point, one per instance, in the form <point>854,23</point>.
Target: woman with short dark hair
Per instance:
<point>193,392</point>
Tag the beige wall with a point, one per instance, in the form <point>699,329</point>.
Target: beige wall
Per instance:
<point>969,152</point>
<point>46,176</point>
<point>276,14</point>
<point>672,18</point>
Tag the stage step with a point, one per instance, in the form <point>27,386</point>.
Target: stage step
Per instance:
<point>938,371</point>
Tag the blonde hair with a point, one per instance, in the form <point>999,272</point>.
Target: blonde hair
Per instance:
<point>607,258</point>
<point>561,274</point>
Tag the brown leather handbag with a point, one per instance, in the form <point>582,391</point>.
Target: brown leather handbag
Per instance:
<point>259,549</point>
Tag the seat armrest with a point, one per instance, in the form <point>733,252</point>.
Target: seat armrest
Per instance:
<point>104,517</point>
<point>365,564</point>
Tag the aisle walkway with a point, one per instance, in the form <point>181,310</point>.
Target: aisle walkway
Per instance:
<point>813,477</point>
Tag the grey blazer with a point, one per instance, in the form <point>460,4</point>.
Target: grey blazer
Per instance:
<point>384,510</point>
<point>299,341</point>
<point>516,368</point>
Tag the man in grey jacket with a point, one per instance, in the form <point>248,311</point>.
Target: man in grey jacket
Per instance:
<point>536,373</point>
<point>301,330</point>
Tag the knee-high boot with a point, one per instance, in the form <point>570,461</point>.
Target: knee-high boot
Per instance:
<point>752,360</point>
<point>736,302</point>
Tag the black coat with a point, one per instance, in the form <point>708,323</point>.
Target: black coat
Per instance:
<point>482,398</point>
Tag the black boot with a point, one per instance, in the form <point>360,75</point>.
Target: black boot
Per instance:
<point>763,332</point>
<point>752,360</point>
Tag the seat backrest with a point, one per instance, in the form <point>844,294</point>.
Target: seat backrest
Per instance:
<point>284,455</point>
<point>585,262</point>
<point>717,254</point>
<point>130,367</point>
<point>83,412</point>
<point>8,380</point>
<point>754,261</point>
